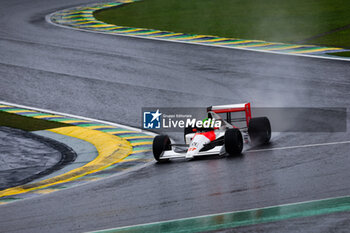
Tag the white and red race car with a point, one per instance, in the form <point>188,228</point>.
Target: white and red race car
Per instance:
<point>228,138</point>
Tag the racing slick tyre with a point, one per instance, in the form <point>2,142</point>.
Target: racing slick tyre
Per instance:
<point>259,130</point>
<point>160,144</point>
<point>233,141</point>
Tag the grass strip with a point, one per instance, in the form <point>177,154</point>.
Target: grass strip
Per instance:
<point>340,54</point>
<point>269,20</point>
<point>27,123</point>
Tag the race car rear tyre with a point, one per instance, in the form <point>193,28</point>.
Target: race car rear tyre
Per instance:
<point>259,130</point>
<point>161,143</point>
<point>233,141</point>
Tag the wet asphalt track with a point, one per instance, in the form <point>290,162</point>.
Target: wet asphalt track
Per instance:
<point>111,78</point>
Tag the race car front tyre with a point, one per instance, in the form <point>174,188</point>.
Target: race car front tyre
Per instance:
<point>259,130</point>
<point>161,143</point>
<point>233,141</point>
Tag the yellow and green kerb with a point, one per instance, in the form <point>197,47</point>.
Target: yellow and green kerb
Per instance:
<point>118,148</point>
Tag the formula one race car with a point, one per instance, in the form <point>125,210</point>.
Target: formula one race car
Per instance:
<point>226,137</point>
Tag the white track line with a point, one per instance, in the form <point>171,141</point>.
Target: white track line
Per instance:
<point>301,146</point>
<point>80,117</point>
<point>48,19</point>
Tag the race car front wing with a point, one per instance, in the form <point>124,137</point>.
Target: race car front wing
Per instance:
<point>171,154</point>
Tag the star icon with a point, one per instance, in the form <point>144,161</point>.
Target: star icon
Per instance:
<point>156,115</point>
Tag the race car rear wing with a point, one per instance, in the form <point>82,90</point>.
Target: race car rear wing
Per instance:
<point>228,109</point>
